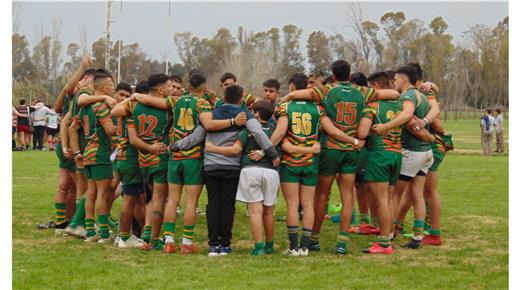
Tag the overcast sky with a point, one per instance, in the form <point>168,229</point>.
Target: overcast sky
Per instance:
<point>147,22</point>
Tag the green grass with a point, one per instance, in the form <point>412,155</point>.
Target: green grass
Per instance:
<point>474,191</point>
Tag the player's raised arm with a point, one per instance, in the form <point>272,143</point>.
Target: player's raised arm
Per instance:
<point>152,101</point>
<point>206,119</point>
<point>122,109</point>
<point>75,78</point>
<point>60,100</point>
<point>305,94</point>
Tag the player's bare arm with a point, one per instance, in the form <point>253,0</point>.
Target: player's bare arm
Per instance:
<point>337,134</point>
<point>401,118</point>
<point>293,149</point>
<point>137,142</point>
<point>280,131</point>
<point>121,109</point>
<point>232,150</point>
<point>85,100</point>
<point>151,101</point>
<point>206,119</point>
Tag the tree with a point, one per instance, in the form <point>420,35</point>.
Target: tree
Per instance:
<point>23,67</point>
<point>318,51</point>
<point>291,58</point>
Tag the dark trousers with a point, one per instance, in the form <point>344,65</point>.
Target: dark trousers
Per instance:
<point>39,132</point>
<point>221,186</point>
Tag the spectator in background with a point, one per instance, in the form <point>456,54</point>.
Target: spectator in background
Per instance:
<point>499,131</point>
<point>38,117</point>
<point>23,126</point>
<point>487,122</point>
<point>52,128</point>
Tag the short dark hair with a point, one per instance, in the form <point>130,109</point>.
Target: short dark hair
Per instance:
<point>418,69</point>
<point>233,94</point>
<point>359,79</point>
<point>299,80</point>
<point>340,69</point>
<point>328,80</point>
<point>100,75</point>
<point>488,111</point>
<point>272,83</point>
<point>379,77</point>
<point>409,71</point>
<point>157,80</point>
<point>22,102</point>
<point>88,72</point>
<point>142,87</point>
<point>227,75</point>
<point>197,79</point>
<point>498,111</point>
<point>390,73</point>
<point>264,108</point>
<point>176,78</point>
<point>124,87</point>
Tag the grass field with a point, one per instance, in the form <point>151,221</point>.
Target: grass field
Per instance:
<point>474,190</point>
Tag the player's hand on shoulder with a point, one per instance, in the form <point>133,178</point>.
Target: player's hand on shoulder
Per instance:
<point>241,119</point>
<point>111,102</point>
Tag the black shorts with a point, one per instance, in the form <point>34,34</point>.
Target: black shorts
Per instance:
<point>51,131</point>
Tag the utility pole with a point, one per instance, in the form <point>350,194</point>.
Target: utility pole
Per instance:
<point>109,22</point>
<point>167,50</point>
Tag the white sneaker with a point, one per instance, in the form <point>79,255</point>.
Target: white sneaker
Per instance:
<point>199,211</point>
<point>123,244</point>
<point>303,252</point>
<point>69,230</point>
<point>80,232</point>
<point>92,239</point>
<point>135,242</point>
<point>291,252</point>
<point>105,241</point>
<point>116,240</point>
<point>59,232</point>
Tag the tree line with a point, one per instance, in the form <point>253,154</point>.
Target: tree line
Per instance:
<point>472,73</point>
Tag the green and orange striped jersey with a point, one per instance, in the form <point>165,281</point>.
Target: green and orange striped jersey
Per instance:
<point>151,125</point>
<point>304,119</point>
<point>438,145</point>
<point>125,150</point>
<point>210,96</point>
<point>343,104</point>
<point>97,149</point>
<point>186,110</point>
<point>247,102</point>
<point>74,114</point>
<point>381,112</point>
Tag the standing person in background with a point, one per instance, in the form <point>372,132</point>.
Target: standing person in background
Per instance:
<point>22,126</point>
<point>16,115</point>
<point>52,129</point>
<point>499,124</point>
<point>486,131</point>
<point>38,120</point>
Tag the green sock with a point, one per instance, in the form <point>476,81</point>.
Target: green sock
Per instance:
<point>60,212</point>
<point>154,241</point>
<point>103,226</point>
<point>147,233</point>
<point>124,236</point>
<point>89,224</point>
<point>305,241</point>
<point>169,232</point>
<point>353,221</point>
<point>365,218</point>
<point>436,232</point>
<point>187,234</point>
<point>374,221</point>
<point>383,241</point>
<point>259,246</point>
<point>343,238</point>
<point>418,228</point>
<point>79,216</point>
<point>269,245</point>
<point>399,227</point>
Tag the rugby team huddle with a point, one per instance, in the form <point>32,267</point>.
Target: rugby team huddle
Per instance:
<point>378,137</point>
